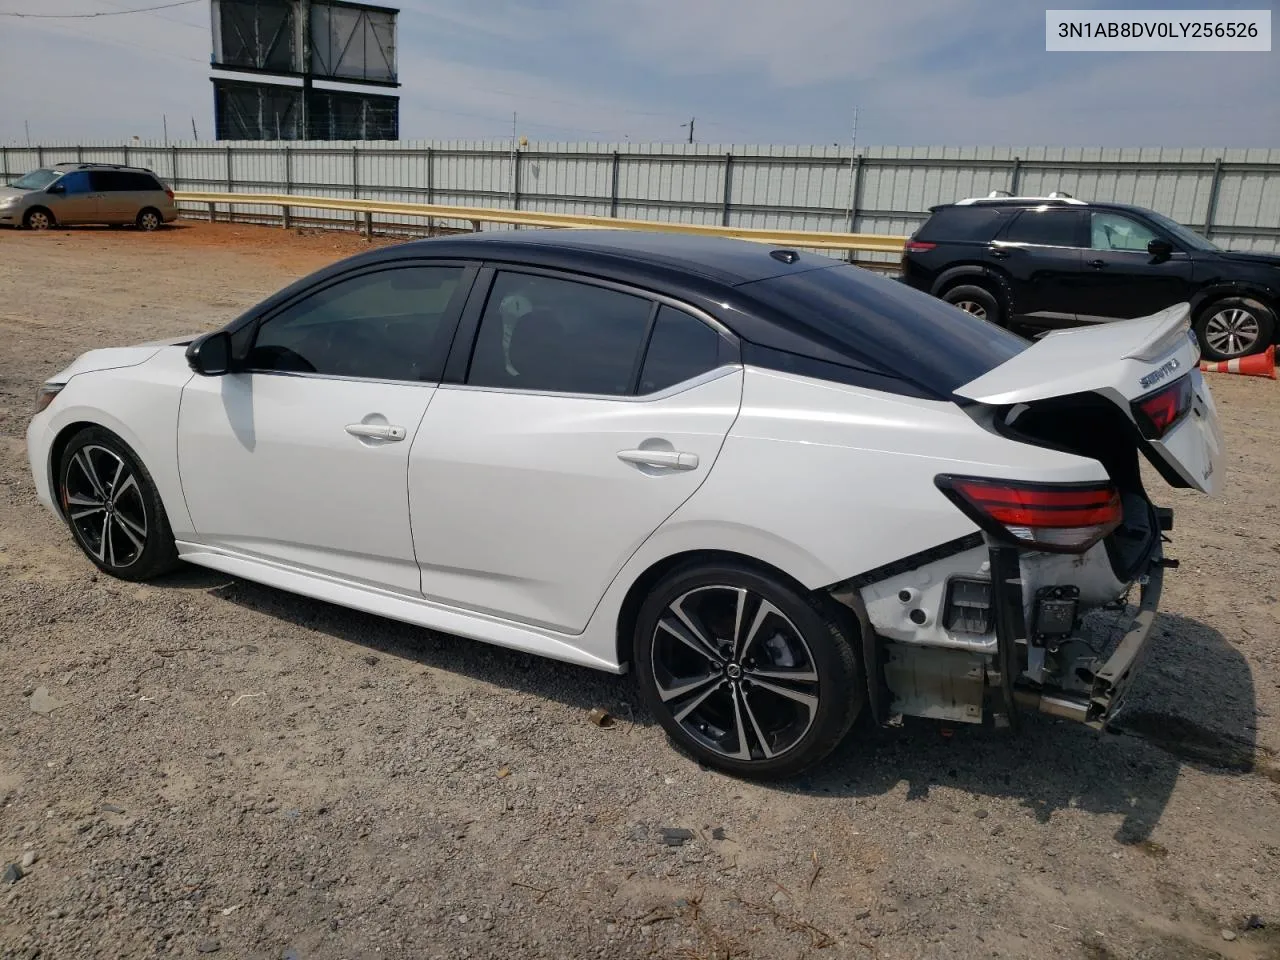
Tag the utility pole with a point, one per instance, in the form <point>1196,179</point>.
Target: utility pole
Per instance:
<point>513,161</point>
<point>194,135</point>
<point>26,125</point>
<point>164,119</point>
<point>853,152</point>
<point>690,126</point>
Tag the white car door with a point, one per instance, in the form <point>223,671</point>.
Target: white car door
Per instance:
<point>588,416</point>
<point>300,456</point>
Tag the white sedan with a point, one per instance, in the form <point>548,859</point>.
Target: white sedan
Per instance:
<point>779,488</point>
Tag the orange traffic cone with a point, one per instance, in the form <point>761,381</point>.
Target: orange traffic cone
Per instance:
<point>1255,365</point>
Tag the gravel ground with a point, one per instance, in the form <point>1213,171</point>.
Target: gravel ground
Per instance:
<point>232,770</point>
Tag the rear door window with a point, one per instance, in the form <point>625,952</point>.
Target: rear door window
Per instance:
<point>561,336</point>
<point>1052,227</point>
<point>682,347</point>
<point>110,181</point>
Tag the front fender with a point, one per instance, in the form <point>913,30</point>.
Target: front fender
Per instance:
<point>139,404</point>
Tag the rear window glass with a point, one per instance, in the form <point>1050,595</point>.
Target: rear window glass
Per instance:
<point>884,323</point>
<point>956,224</point>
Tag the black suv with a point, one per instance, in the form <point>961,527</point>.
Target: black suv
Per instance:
<point>1038,263</point>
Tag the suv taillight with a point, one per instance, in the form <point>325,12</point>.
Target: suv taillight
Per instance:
<point>168,192</point>
<point>1057,517</point>
<point>1161,411</point>
<point>918,246</point>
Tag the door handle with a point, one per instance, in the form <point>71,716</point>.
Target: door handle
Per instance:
<point>1097,264</point>
<point>376,431</point>
<point>998,254</point>
<point>668,459</point>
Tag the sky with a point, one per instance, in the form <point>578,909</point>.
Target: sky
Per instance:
<point>919,72</point>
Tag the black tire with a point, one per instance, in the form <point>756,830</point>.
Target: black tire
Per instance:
<point>149,219</point>
<point>975,300</point>
<point>38,218</point>
<point>134,513</point>
<point>708,594</point>
<point>1234,327</point>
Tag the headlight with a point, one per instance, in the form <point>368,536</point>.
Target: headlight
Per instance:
<point>45,395</point>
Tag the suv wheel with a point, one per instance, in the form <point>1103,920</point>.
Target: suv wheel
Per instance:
<point>38,218</point>
<point>1234,327</point>
<point>744,671</point>
<point>149,220</point>
<point>975,300</point>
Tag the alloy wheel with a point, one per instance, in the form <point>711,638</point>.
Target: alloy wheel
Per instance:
<point>103,501</point>
<point>972,307</point>
<point>38,220</point>
<point>735,673</point>
<point>1233,331</point>
<point>149,221</point>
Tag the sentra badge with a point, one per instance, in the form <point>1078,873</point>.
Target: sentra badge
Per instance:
<point>1155,376</point>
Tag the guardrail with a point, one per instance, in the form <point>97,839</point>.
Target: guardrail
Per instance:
<point>817,240</point>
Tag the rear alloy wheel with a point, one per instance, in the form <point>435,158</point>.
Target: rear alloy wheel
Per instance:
<point>111,504</point>
<point>1234,327</point>
<point>149,220</point>
<point>975,301</point>
<point>744,672</point>
<point>38,219</point>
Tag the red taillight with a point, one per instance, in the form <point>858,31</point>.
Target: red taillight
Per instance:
<point>1158,413</point>
<point>918,246</point>
<point>1067,518</point>
<point>168,193</point>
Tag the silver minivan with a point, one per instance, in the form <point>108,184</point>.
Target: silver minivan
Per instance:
<point>73,193</point>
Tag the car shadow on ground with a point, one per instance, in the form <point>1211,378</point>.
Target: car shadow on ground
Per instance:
<point>1193,702</point>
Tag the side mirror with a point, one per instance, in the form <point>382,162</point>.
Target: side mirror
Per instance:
<point>58,188</point>
<point>210,356</point>
<point>1160,249</point>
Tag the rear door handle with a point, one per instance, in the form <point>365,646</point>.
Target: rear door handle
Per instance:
<point>998,254</point>
<point>376,431</point>
<point>1097,264</point>
<point>669,459</point>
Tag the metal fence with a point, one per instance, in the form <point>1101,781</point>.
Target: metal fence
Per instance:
<point>1232,196</point>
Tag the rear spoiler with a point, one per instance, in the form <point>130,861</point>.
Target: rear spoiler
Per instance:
<point>1114,357</point>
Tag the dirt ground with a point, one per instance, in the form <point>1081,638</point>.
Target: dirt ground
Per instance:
<point>240,772</point>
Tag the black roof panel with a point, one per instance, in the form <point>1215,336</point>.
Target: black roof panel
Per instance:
<point>721,259</point>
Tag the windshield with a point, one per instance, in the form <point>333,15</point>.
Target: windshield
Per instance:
<point>1180,233</point>
<point>35,180</point>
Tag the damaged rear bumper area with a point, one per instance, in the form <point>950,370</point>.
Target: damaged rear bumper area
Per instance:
<point>1099,690</point>
<point>980,631</point>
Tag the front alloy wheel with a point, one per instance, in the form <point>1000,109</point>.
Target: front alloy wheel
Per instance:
<point>746,673</point>
<point>105,507</point>
<point>112,506</point>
